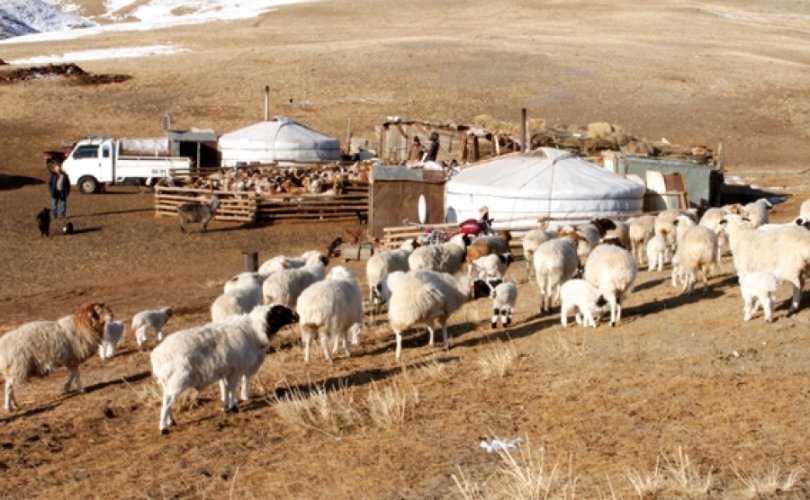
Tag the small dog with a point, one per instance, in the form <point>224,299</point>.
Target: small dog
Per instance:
<point>44,222</point>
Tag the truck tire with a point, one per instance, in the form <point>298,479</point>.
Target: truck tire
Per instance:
<point>87,185</point>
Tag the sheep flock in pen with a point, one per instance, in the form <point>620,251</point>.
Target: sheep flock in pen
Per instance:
<point>588,270</point>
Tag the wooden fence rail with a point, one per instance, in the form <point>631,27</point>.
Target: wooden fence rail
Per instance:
<point>245,207</point>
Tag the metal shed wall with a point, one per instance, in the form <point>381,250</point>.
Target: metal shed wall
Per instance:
<point>394,196</point>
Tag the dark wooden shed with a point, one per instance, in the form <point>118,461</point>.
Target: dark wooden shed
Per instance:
<point>394,197</point>
<point>199,145</point>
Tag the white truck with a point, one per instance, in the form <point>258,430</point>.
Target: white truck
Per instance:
<point>96,161</point>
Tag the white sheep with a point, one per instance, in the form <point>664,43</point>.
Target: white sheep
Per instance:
<point>331,308</point>
<point>757,211</point>
<point>610,229</point>
<point>380,264</point>
<point>698,251</point>
<point>657,253</point>
<point>758,289</point>
<point>589,237</point>
<point>113,332</point>
<point>444,258</point>
<point>583,299</point>
<point>612,270</point>
<point>243,280</point>
<point>555,262</point>
<point>783,251</point>
<point>237,301</point>
<point>153,318</point>
<point>284,287</point>
<point>36,348</point>
<point>492,266</point>
<point>531,240</point>
<point>640,230</point>
<point>214,352</point>
<point>798,222</point>
<point>282,262</point>
<point>421,298</point>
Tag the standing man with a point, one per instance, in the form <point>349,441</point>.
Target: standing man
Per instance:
<point>59,187</point>
<point>433,152</point>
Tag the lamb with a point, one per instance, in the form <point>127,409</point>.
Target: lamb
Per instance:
<point>331,307</point>
<point>531,240</point>
<point>758,288</point>
<point>665,226</point>
<point>757,211</point>
<point>380,264</point>
<point>657,253</point>
<point>197,212</point>
<point>555,262</point>
<point>697,251</point>
<point>493,266</point>
<point>504,297</point>
<point>284,287</point>
<point>36,348</point>
<point>485,245</point>
<point>783,251</point>
<point>444,258</point>
<point>155,319</point>
<point>224,351</point>
<point>612,270</point>
<point>113,332</point>
<point>679,277</point>
<point>282,262</point>
<point>585,301</point>
<point>421,297</point>
<point>641,229</point>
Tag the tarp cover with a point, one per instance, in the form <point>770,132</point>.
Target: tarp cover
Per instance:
<point>277,140</point>
<point>546,182</point>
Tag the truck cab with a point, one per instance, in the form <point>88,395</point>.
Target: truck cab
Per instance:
<point>89,164</point>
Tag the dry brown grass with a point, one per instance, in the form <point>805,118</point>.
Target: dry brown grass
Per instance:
<point>768,483</point>
<point>318,409</point>
<point>521,474</point>
<point>498,360</point>
<point>389,407</point>
<point>678,476</point>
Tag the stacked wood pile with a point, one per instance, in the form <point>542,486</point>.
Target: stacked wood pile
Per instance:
<point>271,193</point>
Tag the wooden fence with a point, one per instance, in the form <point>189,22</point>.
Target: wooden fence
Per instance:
<point>246,206</point>
<point>395,236</point>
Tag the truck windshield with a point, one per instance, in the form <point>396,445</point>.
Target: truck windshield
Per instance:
<point>85,152</point>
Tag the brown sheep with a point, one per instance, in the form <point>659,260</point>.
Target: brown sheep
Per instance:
<point>486,245</point>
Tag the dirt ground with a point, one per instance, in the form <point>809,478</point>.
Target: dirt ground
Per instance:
<point>593,405</point>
